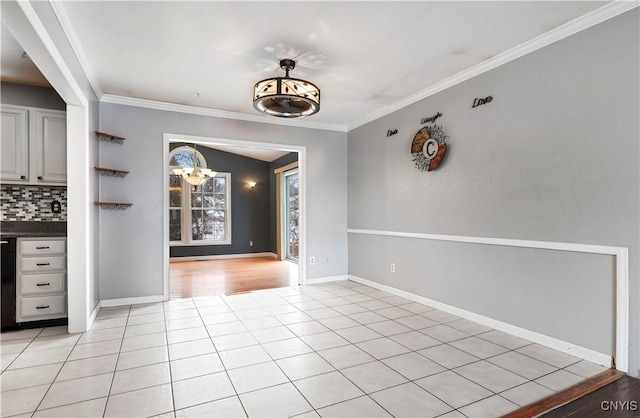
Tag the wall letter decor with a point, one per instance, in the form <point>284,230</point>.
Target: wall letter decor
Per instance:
<point>429,147</point>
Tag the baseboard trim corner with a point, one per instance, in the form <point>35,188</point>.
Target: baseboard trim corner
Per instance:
<point>94,314</point>
<point>545,340</point>
<point>108,303</point>
<point>328,279</point>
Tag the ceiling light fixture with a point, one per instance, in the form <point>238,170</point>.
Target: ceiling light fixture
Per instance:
<point>286,97</point>
<point>194,175</point>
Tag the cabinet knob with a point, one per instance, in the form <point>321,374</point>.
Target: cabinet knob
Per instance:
<point>23,177</point>
<point>39,177</point>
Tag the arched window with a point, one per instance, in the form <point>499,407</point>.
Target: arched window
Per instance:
<point>183,157</point>
<point>198,215</point>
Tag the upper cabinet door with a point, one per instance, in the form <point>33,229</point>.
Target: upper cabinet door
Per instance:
<point>51,146</point>
<point>15,145</point>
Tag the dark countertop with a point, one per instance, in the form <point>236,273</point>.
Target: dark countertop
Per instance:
<point>11,229</point>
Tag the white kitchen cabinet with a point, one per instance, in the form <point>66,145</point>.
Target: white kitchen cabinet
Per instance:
<point>34,146</point>
<point>41,282</point>
<point>14,148</point>
<point>50,145</point>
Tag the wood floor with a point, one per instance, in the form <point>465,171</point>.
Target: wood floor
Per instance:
<point>235,275</point>
<point>620,399</point>
<point>610,394</point>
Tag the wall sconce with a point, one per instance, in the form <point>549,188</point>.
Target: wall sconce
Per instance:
<point>251,185</point>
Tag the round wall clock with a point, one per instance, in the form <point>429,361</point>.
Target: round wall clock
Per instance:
<point>429,147</point>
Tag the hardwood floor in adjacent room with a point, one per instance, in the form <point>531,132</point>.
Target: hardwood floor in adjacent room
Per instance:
<point>234,275</point>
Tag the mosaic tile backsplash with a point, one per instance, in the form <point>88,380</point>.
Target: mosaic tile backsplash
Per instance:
<point>19,203</point>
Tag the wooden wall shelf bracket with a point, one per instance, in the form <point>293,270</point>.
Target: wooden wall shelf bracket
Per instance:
<point>111,172</point>
<point>103,136</point>
<point>113,205</point>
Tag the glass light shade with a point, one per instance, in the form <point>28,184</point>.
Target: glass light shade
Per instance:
<point>195,176</point>
<point>286,97</point>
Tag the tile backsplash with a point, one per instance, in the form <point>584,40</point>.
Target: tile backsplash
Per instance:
<point>30,203</point>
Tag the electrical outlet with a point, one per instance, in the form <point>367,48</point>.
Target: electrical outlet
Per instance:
<point>312,261</point>
<point>392,267</point>
<point>250,243</point>
<point>56,207</point>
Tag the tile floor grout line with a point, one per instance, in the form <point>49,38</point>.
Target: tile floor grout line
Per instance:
<point>57,374</point>
<point>115,367</point>
<point>302,299</point>
<point>166,338</point>
<point>224,367</point>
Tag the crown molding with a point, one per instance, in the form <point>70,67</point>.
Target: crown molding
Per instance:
<point>72,36</point>
<point>204,111</point>
<point>581,23</point>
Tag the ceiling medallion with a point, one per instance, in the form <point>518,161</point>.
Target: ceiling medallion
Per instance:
<point>286,97</point>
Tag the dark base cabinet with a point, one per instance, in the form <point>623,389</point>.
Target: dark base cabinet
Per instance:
<point>8,283</point>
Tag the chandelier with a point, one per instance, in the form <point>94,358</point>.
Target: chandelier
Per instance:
<point>286,97</point>
<point>194,175</point>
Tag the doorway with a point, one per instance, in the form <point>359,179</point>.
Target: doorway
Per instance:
<point>229,267</point>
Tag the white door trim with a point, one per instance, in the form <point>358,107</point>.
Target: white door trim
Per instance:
<point>302,158</point>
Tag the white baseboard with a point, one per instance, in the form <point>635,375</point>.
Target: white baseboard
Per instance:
<point>556,344</point>
<point>108,303</point>
<point>221,257</point>
<point>327,279</point>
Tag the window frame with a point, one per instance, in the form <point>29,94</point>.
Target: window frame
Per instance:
<point>186,207</point>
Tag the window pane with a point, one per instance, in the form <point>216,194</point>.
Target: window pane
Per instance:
<point>208,186</point>
<point>197,225</point>
<point>175,191</point>
<point>220,184</point>
<point>196,200</point>
<point>220,201</point>
<point>208,200</point>
<point>184,158</point>
<point>175,225</point>
<point>292,201</point>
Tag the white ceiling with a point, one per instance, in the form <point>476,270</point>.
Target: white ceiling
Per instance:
<point>262,154</point>
<point>15,67</point>
<point>364,56</point>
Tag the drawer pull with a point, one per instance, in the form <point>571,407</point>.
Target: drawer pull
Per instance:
<point>43,284</point>
<point>42,307</point>
<point>42,264</point>
<point>42,248</point>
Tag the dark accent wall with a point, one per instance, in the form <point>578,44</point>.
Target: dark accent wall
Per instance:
<point>280,162</point>
<point>249,209</point>
<point>34,96</point>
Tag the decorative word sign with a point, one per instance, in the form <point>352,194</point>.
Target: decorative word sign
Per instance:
<point>479,102</point>
<point>430,119</point>
<point>391,133</point>
<point>429,147</point>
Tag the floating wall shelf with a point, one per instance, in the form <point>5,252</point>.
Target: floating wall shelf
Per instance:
<point>103,136</point>
<point>113,205</point>
<point>111,172</point>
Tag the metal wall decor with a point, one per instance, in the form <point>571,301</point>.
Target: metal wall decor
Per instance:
<point>479,102</point>
<point>430,119</point>
<point>429,147</point>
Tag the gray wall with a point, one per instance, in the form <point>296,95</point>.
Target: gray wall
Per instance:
<point>131,248</point>
<point>554,157</point>
<point>249,208</point>
<point>34,96</point>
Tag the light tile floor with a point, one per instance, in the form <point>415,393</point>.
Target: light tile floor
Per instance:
<point>338,349</point>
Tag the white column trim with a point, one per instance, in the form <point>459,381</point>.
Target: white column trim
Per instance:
<point>622,272</point>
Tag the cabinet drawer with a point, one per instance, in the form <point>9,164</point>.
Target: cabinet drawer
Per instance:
<point>43,283</point>
<point>42,306</point>
<point>41,263</point>
<point>42,247</point>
